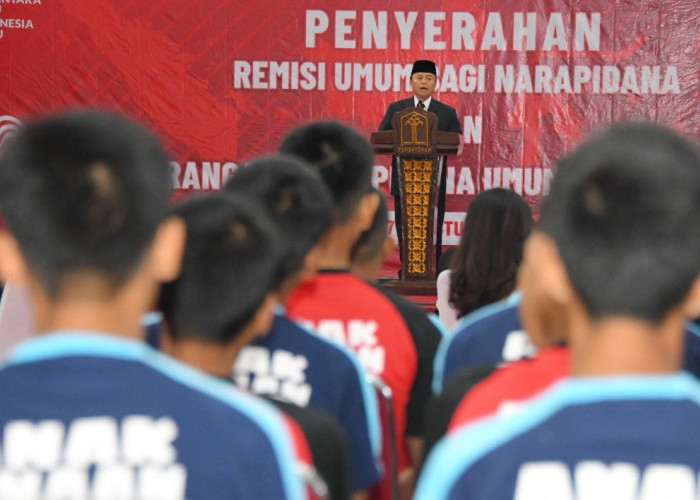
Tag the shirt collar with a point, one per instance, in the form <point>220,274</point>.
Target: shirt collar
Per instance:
<point>79,343</point>
<point>426,102</point>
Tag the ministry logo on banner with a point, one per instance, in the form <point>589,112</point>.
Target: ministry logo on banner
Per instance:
<point>8,126</point>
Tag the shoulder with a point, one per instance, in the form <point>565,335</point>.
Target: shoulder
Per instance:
<point>448,115</point>
<point>442,106</point>
<point>457,457</point>
<point>448,314</point>
<point>503,315</point>
<point>444,277</point>
<point>201,408</point>
<point>443,283</point>
<point>401,104</point>
<point>482,321</point>
<point>395,299</point>
<point>326,361</point>
<point>512,385</point>
<point>551,363</point>
<point>231,399</point>
<point>417,320</point>
<point>247,416</point>
<point>479,339</point>
<point>338,357</point>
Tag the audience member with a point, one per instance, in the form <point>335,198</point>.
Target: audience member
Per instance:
<point>375,245</point>
<point>484,267</point>
<point>487,392</point>
<point>345,308</point>
<point>545,324</point>
<point>225,296</point>
<point>489,336</point>
<point>291,363</point>
<point>618,249</point>
<point>90,411</point>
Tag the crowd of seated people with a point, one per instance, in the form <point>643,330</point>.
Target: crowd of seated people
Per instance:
<point>279,368</point>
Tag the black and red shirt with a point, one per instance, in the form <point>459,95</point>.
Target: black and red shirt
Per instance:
<point>392,338</point>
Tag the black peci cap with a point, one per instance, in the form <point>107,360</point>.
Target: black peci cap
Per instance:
<point>424,66</point>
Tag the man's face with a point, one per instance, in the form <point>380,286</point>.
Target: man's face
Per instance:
<point>423,85</point>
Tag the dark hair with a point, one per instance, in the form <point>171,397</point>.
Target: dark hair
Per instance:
<point>485,266</point>
<point>371,241</point>
<point>624,212</point>
<point>343,158</point>
<point>83,192</point>
<point>295,200</point>
<point>230,265</point>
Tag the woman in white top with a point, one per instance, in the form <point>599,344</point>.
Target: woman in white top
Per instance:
<point>484,267</point>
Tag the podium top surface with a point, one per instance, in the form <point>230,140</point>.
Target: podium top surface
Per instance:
<point>415,133</point>
<point>447,143</point>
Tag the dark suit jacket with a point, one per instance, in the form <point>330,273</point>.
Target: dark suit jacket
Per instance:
<point>448,122</point>
<point>447,114</point>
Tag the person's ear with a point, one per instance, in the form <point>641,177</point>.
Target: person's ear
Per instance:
<point>366,210</point>
<point>551,269</point>
<point>168,246</point>
<point>389,248</point>
<point>691,304</point>
<point>13,266</point>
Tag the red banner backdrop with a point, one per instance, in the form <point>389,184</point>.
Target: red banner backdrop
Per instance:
<point>222,82</point>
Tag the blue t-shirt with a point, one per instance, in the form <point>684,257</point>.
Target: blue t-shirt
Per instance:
<point>494,335</point>
<point>489,336</point>
<point>588,438</point>
<point>97,416</point>
<point>297,366</point>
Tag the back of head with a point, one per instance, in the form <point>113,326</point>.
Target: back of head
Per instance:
<point>83,192</point>
<point>623,213</point>
<point>341,156</point>
<point>371,242</point>
<point>293,197</point>
<point>230,265</point>
<point>485,266</point>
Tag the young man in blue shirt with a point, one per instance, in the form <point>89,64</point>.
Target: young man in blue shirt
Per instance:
<point>618,247</point>
<point>291,363</point>
<point>88,410</point>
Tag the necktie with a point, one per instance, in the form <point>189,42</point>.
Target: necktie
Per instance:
<point>421,105</point>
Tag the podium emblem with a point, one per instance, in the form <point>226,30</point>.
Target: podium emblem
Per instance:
<point>415,130</point>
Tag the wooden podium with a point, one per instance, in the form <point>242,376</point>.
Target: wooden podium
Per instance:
<point>418,150</point>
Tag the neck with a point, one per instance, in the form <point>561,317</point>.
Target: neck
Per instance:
<point>626,346</point>
<point>88,305</point>
<point>285,290</point>
<point>214,359</point>
<point>368,270</point>
<point>335,251</point>
<point>290,284</point>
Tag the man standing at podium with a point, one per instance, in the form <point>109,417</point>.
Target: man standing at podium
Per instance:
<point>423,81</point>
